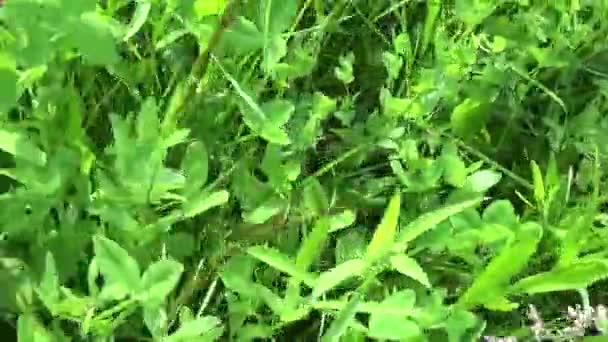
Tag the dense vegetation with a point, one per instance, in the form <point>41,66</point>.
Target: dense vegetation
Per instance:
<point>293,170</point>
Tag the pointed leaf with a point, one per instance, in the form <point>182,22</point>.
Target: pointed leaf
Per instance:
<point>139,18</point>
<point>574,276</point>
<point>119,269</point>
<point>281,262</point>
<point>384,236</point>
<point>312,246</point>
<point>332,278</point>
<point>204,201</point>
<point>492,282</point>
<point>158,281</point>
<point>429,220</point>
<point>409,267</point>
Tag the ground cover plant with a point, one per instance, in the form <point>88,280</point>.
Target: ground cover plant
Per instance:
<point>298,170</point>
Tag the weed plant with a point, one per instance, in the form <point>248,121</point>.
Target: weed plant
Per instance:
<point>299,170</point>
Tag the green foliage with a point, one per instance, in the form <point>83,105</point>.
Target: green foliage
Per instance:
<point>237,170</point>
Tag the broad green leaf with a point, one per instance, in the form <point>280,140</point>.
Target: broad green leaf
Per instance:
<point>8,83</point>
<point>501,212</point>
<point>93,37</point>
<point>491,283</point>
<point>139,18</point>
<point>276,16</point>
<point>410,267</point>
<point>203,329</point>
<point>119,269</point>
<point>481,181</point>
<point>204,8</point>
<point>332,278</point>
<point>204,201</point>
<point>243,37</point>
<point>428,221</point>
<point>277,114</point>
<point>312,246</point>
<point>455,171</point>
<point>576,275</point>
<point>388,326</point>
<point>195,165</point>
<point>20,146</point>
<point>384,237</point>
<point>268,209</point>
<point>281,262</point>
<point>158,281</point>
<point>468,117</point>
<point>458,323</point>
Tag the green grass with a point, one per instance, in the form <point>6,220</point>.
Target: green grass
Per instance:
<point>300,170</point>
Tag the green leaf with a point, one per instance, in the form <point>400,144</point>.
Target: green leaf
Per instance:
<point>342,220</point>
<point>93,38</point>
<point>344,72</point>
<point>29,329</point>
<point>537,181</point>
<point>384,237</point>
<point>48,289</point>
<point>332,278</point>
<point>195,165</point>
<point>21,147</point>
<point>265,211</point>
<point>388,326</point>
<point>577,275</point>
<point>281,262</point>
<point>276,16</point>
<point>204,201</point>
<point>468,118</point>
<point>455,170</point>
<point>315,198</point>
<point>119,269</point>
<point>207,328</point>
<point>243,37</point>
<point>491,283</point>
<point>148,126</point>
<point>343,320</point>
<point>409,267</point>
<point>158,281</point>
<point>204,8</point>
<point>481,181</point>
<point>312,246</point>
<point>429,220</point>
<point>139,18</point>
<point>8,83</point>
<point>277,114</point>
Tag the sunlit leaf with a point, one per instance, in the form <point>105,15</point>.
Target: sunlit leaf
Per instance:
<point>384,237</point>
<point>577,275</point>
